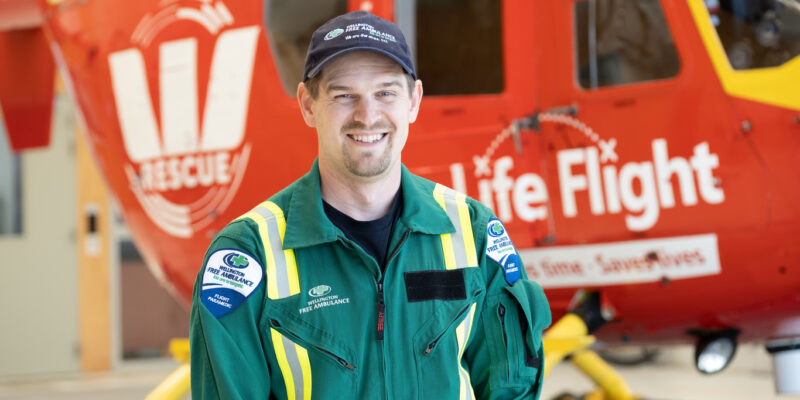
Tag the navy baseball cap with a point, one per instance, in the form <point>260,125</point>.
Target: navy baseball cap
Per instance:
<point>357,30</point>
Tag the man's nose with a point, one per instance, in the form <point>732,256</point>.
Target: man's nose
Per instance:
<point>367,111</point>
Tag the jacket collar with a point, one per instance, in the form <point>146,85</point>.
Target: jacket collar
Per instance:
<point>307,224</point>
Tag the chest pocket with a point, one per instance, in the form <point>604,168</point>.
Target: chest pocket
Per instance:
<point>296,349</point>
<point>513,323</point>
<point>311,360</point>
<point>440,343</point>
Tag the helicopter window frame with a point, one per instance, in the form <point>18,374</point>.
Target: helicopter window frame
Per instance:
<point>607,69</point>
<point>289,25</point>
<point>448,77</point>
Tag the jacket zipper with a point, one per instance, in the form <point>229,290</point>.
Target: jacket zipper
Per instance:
<point>379,284</point>
<point>432,344</point>
<point>501,311</point>
<point>338,359</point>
<point>381,309</point>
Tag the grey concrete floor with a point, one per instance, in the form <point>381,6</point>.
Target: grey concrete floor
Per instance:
<point>670,377</point>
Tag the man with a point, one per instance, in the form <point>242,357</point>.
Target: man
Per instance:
<point>361,280</point>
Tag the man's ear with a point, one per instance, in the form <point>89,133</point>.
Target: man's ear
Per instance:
<point>416,99</point>
<point>305,101</point>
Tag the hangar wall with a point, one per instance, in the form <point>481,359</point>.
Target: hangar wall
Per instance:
<point>38,281</point>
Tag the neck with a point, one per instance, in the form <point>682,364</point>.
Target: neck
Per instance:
<point>362,200</point>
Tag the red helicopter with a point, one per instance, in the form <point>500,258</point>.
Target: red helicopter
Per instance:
<point>642,151</point>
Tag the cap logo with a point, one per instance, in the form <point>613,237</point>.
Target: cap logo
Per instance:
<point>334,33</point>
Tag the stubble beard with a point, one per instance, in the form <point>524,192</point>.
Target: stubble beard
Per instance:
<point>369,164</point>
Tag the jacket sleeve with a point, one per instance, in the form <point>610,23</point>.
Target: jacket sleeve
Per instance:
<point>227,356</point>
<point>506,357</point>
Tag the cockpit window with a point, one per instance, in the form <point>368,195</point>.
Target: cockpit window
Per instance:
<point>622,42</point>
<point>457,44</point>
<point>290,24</point>
<point>757,33</point>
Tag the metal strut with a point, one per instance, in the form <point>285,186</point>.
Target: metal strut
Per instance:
<point>570,337</point>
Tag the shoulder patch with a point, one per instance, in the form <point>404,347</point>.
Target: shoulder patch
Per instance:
<point>500,249</point>
<point>229,277</point>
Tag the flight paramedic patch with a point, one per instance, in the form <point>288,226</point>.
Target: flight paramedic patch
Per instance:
<point>500,249</point>
<point>230,276</point>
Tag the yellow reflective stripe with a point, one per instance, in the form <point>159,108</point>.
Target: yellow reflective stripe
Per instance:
<point>463,332</point>
<point>281,265</point>
<point>458,249</point>
<point>263,231</point>
<point>291,263</point>
<point>447,250</point>
<point>280,354</point>
<point>438,194</point>
<point>447,239</point>
<point>294,365</point>
<point>466,229</point>
<point>305,369</point>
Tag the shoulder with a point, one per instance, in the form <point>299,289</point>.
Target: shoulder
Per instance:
<point>479,214</point>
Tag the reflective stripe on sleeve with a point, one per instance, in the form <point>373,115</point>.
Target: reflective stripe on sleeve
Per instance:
<point>462,334</point>
<point>294,365</point>
<point>458,247</point>
<point>282,280</point>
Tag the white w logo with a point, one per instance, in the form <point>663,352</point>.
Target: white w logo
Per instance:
<point>227,97</point>
<point>170,161</point>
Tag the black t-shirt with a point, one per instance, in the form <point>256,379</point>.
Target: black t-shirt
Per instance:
<point>373,236</point>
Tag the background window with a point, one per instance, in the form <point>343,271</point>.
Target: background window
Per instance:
<point>620,42</point>
<point>757,33</point>
<point>457,44</point>
<point>10,188</point>
<point>290,24</point>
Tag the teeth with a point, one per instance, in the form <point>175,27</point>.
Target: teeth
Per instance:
<point>367,139</point>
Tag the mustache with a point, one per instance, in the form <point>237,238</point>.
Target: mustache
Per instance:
<point>382,126</point>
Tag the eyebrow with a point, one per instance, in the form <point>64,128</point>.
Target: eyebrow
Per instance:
<point>343,88</point>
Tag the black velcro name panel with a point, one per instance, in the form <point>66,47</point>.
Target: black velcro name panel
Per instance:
<point>435,285</point>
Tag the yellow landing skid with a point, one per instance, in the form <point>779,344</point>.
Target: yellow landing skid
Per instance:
<point>569,337</point>
<point>176,385</point>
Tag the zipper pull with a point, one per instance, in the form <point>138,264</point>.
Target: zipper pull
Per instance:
<point>347,364</point>
<point>430,347</point>
<point>501,310</point>
<point>381,310</point>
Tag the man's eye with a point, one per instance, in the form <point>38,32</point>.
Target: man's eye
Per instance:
<point>343,96</point>
<point>385,93</point>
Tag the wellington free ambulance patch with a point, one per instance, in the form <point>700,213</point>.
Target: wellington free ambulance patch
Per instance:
<point>500,249</point>
<point>229,277</point>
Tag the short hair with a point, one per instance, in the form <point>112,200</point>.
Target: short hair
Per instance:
<point>312,84</point>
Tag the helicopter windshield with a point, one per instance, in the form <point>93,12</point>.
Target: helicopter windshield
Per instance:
<point>757,33</point>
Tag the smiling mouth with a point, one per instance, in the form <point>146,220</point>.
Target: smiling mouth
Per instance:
<point>367,138</point>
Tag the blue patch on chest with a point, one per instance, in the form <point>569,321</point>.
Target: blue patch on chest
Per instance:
<point>229,277</point>
<point>500,249</point>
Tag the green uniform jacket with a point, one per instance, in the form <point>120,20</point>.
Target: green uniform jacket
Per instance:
<point>303,319</point>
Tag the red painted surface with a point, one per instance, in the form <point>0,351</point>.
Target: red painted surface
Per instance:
<point>26,87</point>
<point>756,225</point>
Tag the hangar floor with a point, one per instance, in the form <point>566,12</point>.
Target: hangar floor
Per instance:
<point>670,377</point>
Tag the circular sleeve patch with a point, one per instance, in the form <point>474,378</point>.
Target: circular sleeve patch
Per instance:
<point>500,249</point>
<point>229,277</point>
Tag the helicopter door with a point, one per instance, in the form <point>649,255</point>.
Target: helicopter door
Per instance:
<point>630,151</point>
<point>477,81</point>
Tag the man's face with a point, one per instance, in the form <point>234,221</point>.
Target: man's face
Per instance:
<point>361,114</point>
